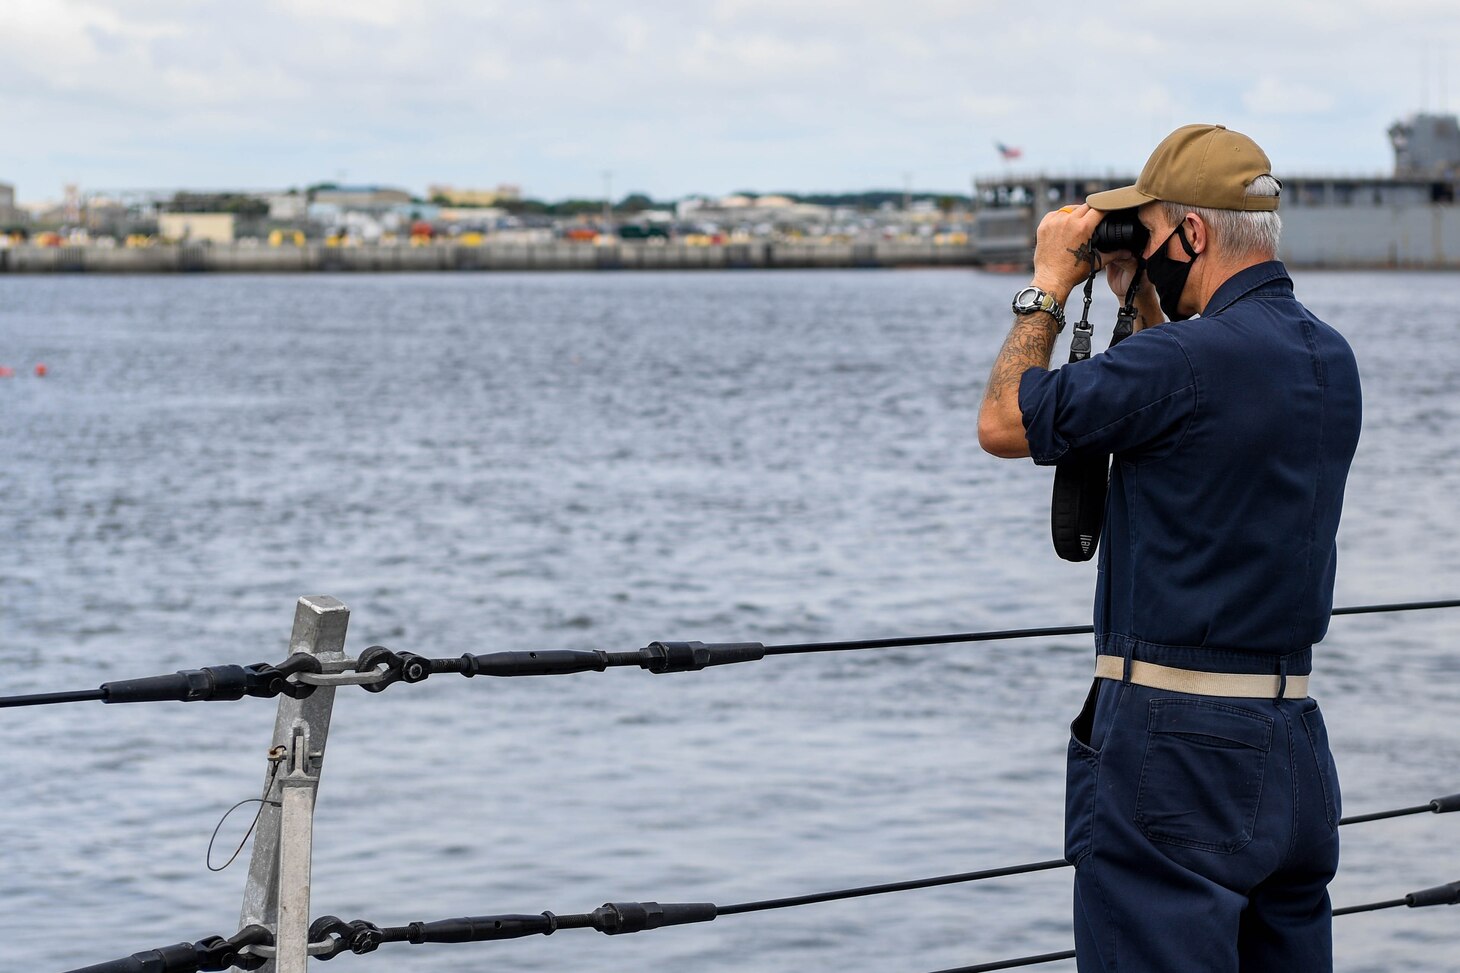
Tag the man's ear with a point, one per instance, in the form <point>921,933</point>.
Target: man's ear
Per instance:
<point>1196,232</point>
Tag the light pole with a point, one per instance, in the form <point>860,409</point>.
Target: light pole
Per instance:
<point>608,202</point>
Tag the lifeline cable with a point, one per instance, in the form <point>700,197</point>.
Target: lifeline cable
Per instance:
<point>330,936</point>
<point>922,883</point>
<point>213,953</point>
<point>233,682</point>
<point>1440,805</point>
<point>617,918</point>
<point>1048,632</point>
<point>1007,964</point>
<point>262,679</point>
<point>299,674</point>
<point>1439,895</point>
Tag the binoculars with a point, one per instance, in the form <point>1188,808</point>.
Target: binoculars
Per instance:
<point>1120,230</point>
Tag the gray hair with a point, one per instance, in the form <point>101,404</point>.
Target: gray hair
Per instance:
<point>1241,233</point>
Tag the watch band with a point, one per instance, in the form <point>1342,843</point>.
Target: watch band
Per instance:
<point>1031,299</point>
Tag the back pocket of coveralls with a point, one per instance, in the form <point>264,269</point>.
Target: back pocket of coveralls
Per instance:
<point>1201,780</point>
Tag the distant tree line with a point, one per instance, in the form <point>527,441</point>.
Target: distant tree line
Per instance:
<point>639,202</point>
<point>633,203</point>
<point>877,198</point>
<point>630,205</point>
<point>239,204</point>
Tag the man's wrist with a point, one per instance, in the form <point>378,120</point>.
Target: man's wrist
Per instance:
<point>1148,310</point>
<point>1059,290</point>
<point>1034,300</point>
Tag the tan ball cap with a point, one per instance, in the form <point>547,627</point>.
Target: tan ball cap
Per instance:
<point>1199,165</point>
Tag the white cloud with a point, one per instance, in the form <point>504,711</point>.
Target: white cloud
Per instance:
<point>1277,96</point>
<point>712,95</point>
<point>378,13</point>
<point>996,106</point>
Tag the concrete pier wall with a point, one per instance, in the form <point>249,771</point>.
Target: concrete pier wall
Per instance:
<point>1417,237</point>
<point>1421,237</point>
<point>438,257</point>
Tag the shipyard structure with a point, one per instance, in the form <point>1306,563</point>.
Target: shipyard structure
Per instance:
<point>1405,220</point>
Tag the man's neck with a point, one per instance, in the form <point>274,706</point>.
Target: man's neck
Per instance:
<point>1213,276</point>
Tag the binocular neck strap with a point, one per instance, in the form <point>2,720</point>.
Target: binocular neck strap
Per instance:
<point>1126,317</point>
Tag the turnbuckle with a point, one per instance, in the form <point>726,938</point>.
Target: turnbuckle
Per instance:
<point>217,953</point>
<point>365,672</point>
<point>298,664</point>
<point>399,667</point>
<point>331,936</point>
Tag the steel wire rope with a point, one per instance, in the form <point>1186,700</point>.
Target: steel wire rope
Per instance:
<point>765,905</point>
<point>330,936</point>
<point>264,680</point>
<point>1049,632</point>
<point>616,918</point>
<point>1439,805</point>
<point>298,675</point>
<point>45,699</point>
<point>1439,895</point>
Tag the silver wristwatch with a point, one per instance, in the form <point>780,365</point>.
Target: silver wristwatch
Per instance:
<point>1032,299</point>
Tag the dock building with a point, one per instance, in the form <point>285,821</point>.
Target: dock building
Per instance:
<point>1407,219</point>
<point>197,227</point>
<point>9,215</point>
<point>360,197</point>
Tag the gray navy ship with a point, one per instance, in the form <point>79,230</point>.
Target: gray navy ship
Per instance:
<point>1405,220</point>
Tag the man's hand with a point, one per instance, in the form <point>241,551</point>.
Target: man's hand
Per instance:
<point>1063,256</point>
<point>1120,269</point>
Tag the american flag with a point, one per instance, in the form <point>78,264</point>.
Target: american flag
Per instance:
<point>1008,152</point>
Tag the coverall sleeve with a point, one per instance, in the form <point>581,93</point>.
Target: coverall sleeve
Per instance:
<point>1137,397</point>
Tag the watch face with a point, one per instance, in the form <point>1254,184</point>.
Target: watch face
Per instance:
<point>1027,299</point>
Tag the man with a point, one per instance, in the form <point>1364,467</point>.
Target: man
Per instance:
<point>1201,801</point>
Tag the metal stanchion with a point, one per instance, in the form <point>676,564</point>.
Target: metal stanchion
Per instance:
<point>277,893</point>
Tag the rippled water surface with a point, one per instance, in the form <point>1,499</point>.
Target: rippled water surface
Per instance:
<point>475,463</point>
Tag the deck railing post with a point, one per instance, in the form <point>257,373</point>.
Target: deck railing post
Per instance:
<point>277,893</point>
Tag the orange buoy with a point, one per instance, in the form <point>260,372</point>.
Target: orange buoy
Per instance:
<point>6,371</point>
<point>40,370</point>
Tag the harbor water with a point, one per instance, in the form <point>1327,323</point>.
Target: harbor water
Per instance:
<point>485,462</point>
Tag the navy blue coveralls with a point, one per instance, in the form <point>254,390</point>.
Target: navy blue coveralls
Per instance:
<point>1203,830</point>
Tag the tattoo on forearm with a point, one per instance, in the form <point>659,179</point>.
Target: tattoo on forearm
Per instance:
<point>1029,345</point>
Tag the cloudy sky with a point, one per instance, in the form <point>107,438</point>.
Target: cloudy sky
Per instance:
<point>682,96</point>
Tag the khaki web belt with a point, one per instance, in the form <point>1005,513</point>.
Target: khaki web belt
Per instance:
<point>1234,684</point>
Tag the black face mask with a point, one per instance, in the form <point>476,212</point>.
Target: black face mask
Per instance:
<point>1169,276</point>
